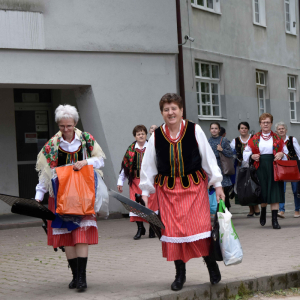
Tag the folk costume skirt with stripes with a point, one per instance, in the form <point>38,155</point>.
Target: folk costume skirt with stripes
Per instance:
<point>186,216</point>
<point>152,201</point>
<point>80,235</point>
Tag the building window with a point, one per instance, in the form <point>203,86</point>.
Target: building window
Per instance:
<point>290,16</point>
<point>208,89</point>
<point>292,97</point>
<point>261,91</point>
<point>209,5</point>
<point>259,12</point>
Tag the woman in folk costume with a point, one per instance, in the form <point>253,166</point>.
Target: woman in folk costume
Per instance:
<point>294,154</point>
<point>238,146</point>
<point>130,169</point>
<point>265,147</point>
<point>178,161</point>
<point>69,145</point>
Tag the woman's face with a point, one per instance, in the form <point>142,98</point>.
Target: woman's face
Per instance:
<point>141,136</point>
<point>243,130</point>
<point>172,114</point>
<point>214,130</point>
<point>281,131</point>
<point>66,126</point>
<point>152,128</point>
<point>266,125</point>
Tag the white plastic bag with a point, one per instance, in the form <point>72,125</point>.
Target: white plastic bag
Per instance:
<point>102,198</point>
<point>230,245</point>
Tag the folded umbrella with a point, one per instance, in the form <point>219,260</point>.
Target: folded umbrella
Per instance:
<point>140,210</point>
<point>27,207</point>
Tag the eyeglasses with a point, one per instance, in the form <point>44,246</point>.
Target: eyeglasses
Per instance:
<point>265,123</point>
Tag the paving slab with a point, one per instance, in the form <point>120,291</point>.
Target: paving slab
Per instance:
<point>121,268</point>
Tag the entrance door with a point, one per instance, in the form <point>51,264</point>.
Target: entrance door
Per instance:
<point>33,130</point>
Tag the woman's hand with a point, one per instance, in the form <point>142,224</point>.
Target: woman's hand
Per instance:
<point>219,193</point>
<point>120,189</point>
<point>145,198</point>
<point>38,200</point>
<point>219,148</point>
<point>278,156</point>
<point>255,157</point>
<point>77,166</point>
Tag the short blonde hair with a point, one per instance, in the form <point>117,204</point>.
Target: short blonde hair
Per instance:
<point>66,111</point>
<point>265,116</point>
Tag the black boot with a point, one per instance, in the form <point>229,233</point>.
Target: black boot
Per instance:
<point>151,233</point>
<point>213,269</point>
<point>274,220</point>
<point>81,278</point>
<point>263,215</point>
<point>141,231</point>
<point>180,276</point>
<point>73,266</point>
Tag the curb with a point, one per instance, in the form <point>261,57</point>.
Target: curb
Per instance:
<point>39,223</point>
<point>229,288</point>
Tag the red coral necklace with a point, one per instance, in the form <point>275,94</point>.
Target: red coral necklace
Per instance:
<point>266,138</point>
<point>169,135</point>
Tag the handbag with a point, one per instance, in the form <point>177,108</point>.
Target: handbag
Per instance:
<point>248,187</point>
<point>215,250</point>
<point>286,170</point>
<point>227,163</point>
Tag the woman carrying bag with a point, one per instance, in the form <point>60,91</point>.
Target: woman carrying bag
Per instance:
<point>221,145</point>
<point>264,148</point>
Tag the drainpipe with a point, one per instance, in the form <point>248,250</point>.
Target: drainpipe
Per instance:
<point>180,57</point>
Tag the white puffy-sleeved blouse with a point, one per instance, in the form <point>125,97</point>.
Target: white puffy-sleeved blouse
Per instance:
<point>209,162</point>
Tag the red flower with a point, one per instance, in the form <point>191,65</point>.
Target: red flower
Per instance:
<point>131,153</point>
<point>47,149</point>
<point>91,148</point>
<point>53,164</point>
<point>53,156</point>
<point>48,160</point>
<point>131,159</point>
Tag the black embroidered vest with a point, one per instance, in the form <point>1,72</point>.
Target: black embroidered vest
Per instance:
<point>65,157</point>
<point>238,149</point>
<point>290,146</point>
<point>178,159</point>
<point>137,161</point>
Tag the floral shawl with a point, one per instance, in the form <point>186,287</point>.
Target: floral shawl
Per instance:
<point>253,143</point>
<point>127,163</point>
<point>48,157</point>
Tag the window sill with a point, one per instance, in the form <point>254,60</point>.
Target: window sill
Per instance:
<point>207,118</point>
<point>260,25</point>
<point>206,9</point>
<point>293,34</point>
<point>294,122</point>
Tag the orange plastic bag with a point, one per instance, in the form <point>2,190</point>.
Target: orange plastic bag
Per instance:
<point>76,192</point>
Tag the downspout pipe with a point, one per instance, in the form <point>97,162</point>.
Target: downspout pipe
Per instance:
<point>180,57</point>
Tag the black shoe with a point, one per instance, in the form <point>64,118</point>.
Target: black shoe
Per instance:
<point>180,276</point>
<point>141,231</point>
<point>73,266</point>
<point>213,269</point>
<point>274,220</point>
<point>81,278</point>
<point>263,215</point>
<point>151,233</point>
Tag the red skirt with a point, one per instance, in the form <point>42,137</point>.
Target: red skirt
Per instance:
<point>78,236</point>
<point>186,216</point>
<point>152,201</point>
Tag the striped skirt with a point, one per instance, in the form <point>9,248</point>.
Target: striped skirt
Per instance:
<point>81,235</point>
<point>152,201</point>
<point>186,216</point>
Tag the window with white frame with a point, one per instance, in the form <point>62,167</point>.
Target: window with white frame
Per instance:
<point>259,12</point>
<point>290,16</point>
<point>208,89</point>
<point>261,91</point>
<point>209,5</point>
<point>292,96</point>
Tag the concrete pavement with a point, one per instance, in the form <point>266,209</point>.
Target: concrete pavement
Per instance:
<point>121,268</point>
